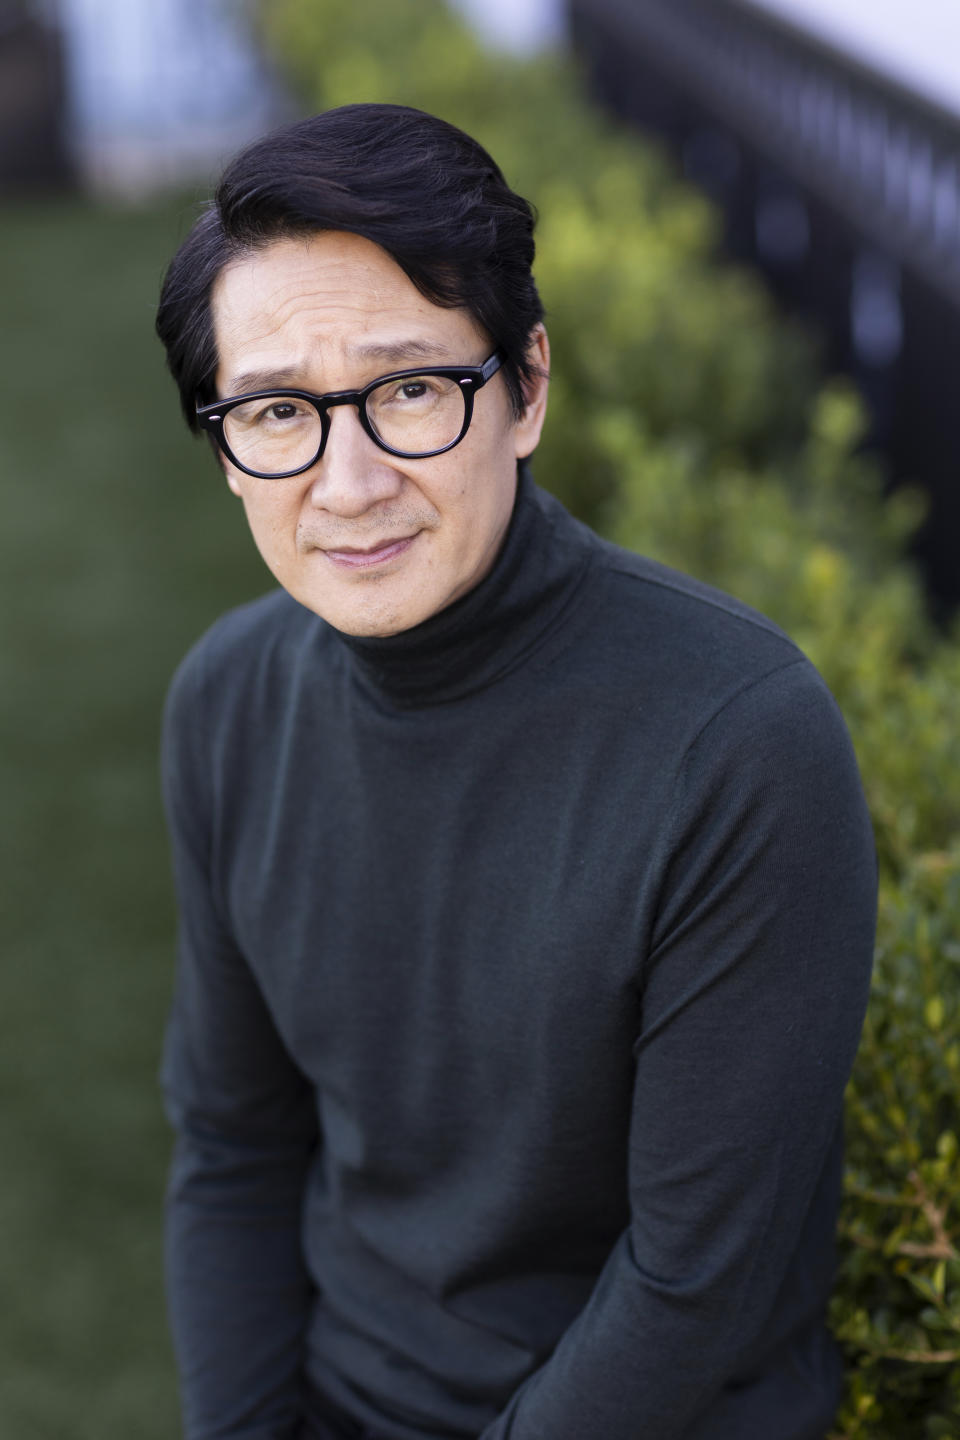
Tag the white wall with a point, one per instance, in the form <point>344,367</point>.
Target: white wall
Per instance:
<point>518,25</point>
<point>915,42</point>
<point>159,89</point>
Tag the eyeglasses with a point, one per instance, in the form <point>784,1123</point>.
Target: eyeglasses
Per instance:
<point>273,434</point>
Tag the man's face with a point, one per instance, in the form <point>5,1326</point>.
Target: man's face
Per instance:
<point>372,543</point>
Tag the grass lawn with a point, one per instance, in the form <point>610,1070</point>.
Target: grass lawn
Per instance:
<point>119,544</point>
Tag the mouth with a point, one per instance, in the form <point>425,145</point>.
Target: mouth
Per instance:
<point>352,557</point>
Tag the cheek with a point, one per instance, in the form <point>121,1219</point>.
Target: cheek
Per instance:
<point>273,523</point>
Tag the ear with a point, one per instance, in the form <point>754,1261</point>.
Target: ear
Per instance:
<point>527,429</point>
<point>231,475</point>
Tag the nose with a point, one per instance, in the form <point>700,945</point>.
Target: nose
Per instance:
<point>353,474</point>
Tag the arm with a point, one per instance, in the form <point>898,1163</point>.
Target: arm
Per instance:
<point>753,995</point>
<point>243,1114</point>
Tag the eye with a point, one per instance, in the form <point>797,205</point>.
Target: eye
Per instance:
<point>270,414</point>
<point>413,389</point>
<point>277,413</point>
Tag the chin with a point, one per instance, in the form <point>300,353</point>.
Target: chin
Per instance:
<point>370,611</point>
<point>370,624</point>
<point>371,630</point>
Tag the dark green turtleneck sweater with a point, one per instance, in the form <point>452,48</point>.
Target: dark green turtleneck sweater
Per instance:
<point>523,960</point>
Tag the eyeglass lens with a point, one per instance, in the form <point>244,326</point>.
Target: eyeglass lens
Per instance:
<point>415,414</point>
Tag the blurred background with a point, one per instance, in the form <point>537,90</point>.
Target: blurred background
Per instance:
<point>754,293</point>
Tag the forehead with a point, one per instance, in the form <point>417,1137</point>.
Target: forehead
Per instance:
<point>326,300</point>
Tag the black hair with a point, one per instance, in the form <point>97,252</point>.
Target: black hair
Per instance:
<point>418,187</point>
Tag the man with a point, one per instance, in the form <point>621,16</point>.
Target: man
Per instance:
<point>526,887</point>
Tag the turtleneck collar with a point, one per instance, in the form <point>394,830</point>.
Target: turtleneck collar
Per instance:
<point>488,631</point>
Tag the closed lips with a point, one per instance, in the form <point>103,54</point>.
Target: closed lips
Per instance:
<point>352,555</point>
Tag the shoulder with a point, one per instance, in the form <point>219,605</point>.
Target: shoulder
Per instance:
<point>242,659</point>
<point>747,724</point>
<point>673,657</point>
<point>679,621</point>
<point>756,761</point>
<point>238,634</point>
<point>652,642</point>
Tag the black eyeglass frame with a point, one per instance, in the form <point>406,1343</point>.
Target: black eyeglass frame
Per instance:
<point>470,379</point>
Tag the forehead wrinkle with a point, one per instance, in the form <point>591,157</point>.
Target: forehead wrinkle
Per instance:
<point>384,355</point>
<point>271,315</point>
<point>299,317</point>
<point>287,306</point>
<point>349,284</point>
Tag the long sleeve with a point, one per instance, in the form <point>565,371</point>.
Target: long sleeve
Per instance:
<point>245,1125</point>
<point>753,995</point>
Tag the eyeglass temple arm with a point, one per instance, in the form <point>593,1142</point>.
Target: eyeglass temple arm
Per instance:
<point>491,366</point>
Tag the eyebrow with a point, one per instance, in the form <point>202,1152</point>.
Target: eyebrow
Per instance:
<point>394,353</point>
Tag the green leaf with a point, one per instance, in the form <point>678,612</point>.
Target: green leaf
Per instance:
<point>933,1012</point>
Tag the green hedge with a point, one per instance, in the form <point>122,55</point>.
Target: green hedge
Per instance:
<point>689,421</point>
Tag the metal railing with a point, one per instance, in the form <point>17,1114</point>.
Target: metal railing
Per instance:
<point>841,183</point>
<point>887,159</point>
